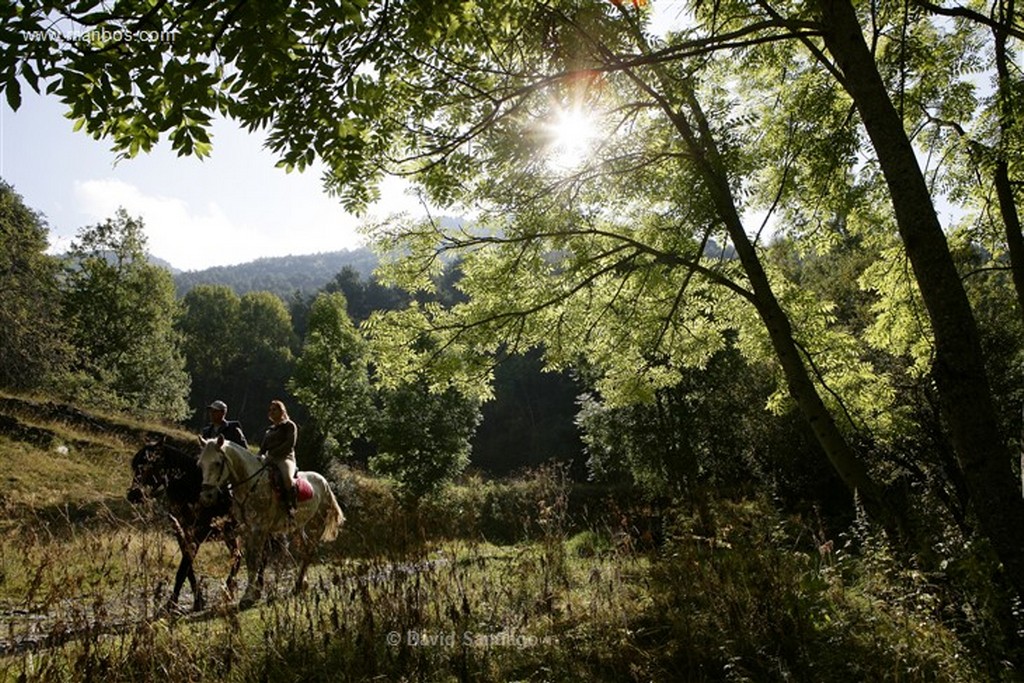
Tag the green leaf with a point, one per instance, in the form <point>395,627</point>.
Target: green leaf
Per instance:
<point>13,91</point>
<point>30,76</point>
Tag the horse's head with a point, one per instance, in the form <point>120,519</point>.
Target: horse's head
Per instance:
<point>213,463</point>
<point>147,471</point>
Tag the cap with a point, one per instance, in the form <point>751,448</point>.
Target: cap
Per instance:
<point>218,405</point>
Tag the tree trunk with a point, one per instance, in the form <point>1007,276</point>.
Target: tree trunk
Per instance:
<point>846,462</point>
<point>851,468</point>
<point>964,394</point>
<point>1011,226</point>
<point>1004,188</point>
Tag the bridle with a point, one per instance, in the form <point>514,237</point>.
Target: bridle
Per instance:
<point>153,477</point>
<point>231,488</point>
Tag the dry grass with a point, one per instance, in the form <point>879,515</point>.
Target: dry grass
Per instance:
<point>491,582</point>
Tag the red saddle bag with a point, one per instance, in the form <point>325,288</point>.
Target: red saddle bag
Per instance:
<point>304,488</point>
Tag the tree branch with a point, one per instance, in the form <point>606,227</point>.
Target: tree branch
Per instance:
<point>966,13</point>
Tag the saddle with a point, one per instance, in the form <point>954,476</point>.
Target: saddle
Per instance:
<point>303,487</point>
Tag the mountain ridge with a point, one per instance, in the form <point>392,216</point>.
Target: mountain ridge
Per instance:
<point>282,275</point>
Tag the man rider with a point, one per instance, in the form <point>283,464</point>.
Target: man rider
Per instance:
<point>220,426</point>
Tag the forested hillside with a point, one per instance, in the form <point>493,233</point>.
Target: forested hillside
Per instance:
<point>281,275</point>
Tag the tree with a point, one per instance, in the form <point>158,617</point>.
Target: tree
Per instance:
<point>959,369</point>
<point>363,297</point>
<point>422,437</point>
<point>986,145</point>
<point>331,375</point>
<point>266,357</point>
<point>497,84</point>
<point>531,419</point>
<point>122,311</point>
<point>210,326</point>
<point>591,252</point>
<point>678,442</point>
<point>31,333</point>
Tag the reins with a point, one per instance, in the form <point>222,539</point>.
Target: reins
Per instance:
<point>254,474</point>
<point>239,500</point>
<point>231,488</point>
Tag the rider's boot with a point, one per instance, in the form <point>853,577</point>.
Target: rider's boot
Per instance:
<point>292,498</point>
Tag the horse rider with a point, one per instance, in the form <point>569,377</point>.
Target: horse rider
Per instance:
<point>278,447</point>
<point>219,425</point>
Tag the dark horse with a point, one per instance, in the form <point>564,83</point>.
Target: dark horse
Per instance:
<point>160,467</point>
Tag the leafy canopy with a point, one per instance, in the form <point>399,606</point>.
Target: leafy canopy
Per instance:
<point>122,311</point>
<point>31,332</point>
<point>609,262</point>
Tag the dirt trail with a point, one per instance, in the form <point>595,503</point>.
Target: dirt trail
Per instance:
<point>33,631</point>
<point>25,630</point>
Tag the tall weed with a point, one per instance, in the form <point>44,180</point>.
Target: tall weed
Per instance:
<point>764,600</point>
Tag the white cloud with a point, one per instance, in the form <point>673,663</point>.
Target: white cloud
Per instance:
<point>232,207</point>
<point>192,237</point>
<point>177,233</point>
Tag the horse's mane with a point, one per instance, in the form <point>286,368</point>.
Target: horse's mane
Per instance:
<point>176,458</point>
<point>181,470</point>
<point>242,450</point>
<point>247,456</point>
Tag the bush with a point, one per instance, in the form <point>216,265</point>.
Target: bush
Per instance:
<point>588,543</point>
<point>758,601</point>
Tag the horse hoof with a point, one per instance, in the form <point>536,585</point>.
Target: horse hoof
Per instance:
<point>248,600</point>
<point>169,609</point>
<point>198,605</point>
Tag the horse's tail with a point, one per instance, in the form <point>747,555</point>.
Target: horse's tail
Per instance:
<point>333,516</point>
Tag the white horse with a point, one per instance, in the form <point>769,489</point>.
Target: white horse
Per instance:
<point>261,513</point>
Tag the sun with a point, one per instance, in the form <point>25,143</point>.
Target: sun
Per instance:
<point>572,134</point>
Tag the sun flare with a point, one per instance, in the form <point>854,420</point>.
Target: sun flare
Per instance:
<point>572,135</point>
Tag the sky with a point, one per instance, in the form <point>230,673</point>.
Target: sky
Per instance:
<point>232,207</point>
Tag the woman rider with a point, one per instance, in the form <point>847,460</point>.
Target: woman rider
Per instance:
<point>278,447</point>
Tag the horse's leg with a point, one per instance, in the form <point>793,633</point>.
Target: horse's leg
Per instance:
<point>254,554</point>
<point>306,546</point>
<point>262,570</point>
<point>300,580</point>
<point>301,552</point>
<point>184,572</point>
<point>198,601</point>
<point>185,566</point>
<point>201,535</point>
<point>234,544</point>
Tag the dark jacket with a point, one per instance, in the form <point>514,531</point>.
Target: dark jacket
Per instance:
<point>279,441</point>
<point>230,430</point>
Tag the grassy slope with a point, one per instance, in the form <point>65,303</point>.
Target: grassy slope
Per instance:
<point>57,456</point>
<point>64,473</point>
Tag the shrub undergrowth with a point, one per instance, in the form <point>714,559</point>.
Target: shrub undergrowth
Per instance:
<point>493,581</point>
